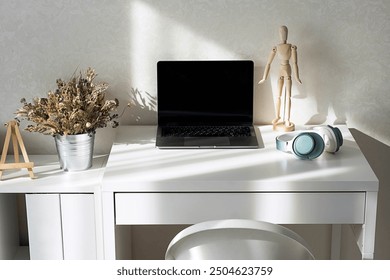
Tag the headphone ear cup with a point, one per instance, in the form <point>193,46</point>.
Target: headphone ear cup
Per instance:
<point>332,137</point>
<point>308,145</point>
<point>338,137</point>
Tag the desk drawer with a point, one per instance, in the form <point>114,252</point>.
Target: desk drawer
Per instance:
<point>281,208</point>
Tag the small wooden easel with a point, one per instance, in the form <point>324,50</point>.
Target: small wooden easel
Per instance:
<point>17,141</point>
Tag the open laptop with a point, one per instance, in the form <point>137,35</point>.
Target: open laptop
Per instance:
<point>205,104</point>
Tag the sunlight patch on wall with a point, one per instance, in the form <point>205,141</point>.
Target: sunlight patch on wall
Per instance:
<point>156,37</point>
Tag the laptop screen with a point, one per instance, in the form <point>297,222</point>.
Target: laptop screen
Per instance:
<point>205,92</point>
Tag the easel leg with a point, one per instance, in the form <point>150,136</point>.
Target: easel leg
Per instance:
<point>15,145</point>
<point>5,148</point>
<point>17,141</point>
<point>24,152</point>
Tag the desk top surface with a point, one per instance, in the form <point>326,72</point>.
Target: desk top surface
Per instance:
<point>136,165</point>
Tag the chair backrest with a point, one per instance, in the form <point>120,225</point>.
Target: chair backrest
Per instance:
<point>237,239</point>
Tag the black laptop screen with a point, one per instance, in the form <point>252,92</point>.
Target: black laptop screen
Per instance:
<point>204,92</point>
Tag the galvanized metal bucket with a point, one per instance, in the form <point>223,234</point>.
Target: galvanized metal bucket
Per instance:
<point>75,152</point>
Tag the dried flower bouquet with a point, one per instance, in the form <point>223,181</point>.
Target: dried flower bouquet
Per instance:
<point>75,107</point>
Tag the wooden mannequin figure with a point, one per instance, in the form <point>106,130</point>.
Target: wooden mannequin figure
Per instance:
<point>285,52</point>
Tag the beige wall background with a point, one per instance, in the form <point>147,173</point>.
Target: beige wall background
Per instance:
<point>343,54</point>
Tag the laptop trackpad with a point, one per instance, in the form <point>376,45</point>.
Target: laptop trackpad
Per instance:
<point>206,141</point>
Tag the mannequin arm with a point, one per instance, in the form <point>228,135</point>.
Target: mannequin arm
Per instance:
<point>268,66</point>
<point>294,58</point>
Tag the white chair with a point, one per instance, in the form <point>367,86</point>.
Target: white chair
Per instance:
<point>237,239</point>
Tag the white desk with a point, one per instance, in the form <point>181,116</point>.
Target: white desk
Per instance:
<point>63,214</point>
<point>145,185</point>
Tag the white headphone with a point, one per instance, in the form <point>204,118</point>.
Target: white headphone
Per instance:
<point>310,144</point>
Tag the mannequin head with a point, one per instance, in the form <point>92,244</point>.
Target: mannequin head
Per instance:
<point>283,33</point>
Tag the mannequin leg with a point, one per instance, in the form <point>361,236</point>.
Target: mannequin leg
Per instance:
<point>278,100</point>
<point>288,101</point>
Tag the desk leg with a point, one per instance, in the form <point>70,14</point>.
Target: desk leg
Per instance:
<point>99,224</point>
<point>368,230</point>
<point>365,234</point>
<point>108,225</point>
<point>335,251</point>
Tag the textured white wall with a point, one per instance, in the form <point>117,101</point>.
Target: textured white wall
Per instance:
<point>343,52</point>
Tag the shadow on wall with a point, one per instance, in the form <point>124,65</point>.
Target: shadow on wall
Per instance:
<point>142,108</point>
<point>326,74</point>
<point>378,156</point>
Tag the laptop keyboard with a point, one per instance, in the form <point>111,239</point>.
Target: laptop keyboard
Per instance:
<point>206,131</point>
